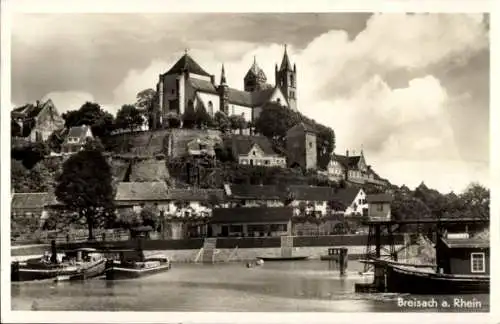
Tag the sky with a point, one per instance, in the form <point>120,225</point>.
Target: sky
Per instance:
<point>411,90</point>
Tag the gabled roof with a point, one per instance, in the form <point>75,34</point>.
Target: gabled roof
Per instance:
<point>202,85</point>
<point>257,192</point>
<point>312,193</point>
<point>256,72</point>
<point>141,191</point>
<point>251,215</point>
<point>32,200</point>
<point>347,161</point>
<point>239,97</point>
<point>346,195</point>
<point>379,198</point>
<point>186,63</point>
<point>78,131</point>
<point>194,194</point>
<point>242,144</point>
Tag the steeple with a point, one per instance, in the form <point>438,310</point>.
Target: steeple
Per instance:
<point>223,76</point>
<point>285,63</point>
<point>255,79</point>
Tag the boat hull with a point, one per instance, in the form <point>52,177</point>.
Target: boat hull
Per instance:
<point>117,272</point>
<point>86,271</point>
<point>401,280</point>
<point>296,258</point>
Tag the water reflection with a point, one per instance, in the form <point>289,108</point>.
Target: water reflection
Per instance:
<point>276,286</point>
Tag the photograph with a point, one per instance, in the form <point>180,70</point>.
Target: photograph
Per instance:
<point>249,162</point>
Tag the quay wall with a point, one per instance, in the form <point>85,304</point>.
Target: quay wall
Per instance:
<point>228,249</point>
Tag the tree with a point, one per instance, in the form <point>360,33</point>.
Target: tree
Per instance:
<point>147,100</point>
<point>476,198</point>
<point>337,205</point>
<point>173,120</point>
<point>30,154</point>
<point>237,122</point>
<point>93,144</point>
<point>91,114</point>
<point>19,177</point>
<point>274,121</point>
<point>202,118</point>
<point>221,122</point>
<point>189,116</point>
<point>55,141</point>
<point>84,187</point>
<point>128,117</point>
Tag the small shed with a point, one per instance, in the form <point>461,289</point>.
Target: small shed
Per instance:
<point>463,255</point>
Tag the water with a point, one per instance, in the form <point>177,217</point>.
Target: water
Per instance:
<point>300,286</point>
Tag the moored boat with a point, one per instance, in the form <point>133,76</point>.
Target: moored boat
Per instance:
<point>413,280</point>
<point>133,264</point>
<point>79,264</point>
<point>293,258</point>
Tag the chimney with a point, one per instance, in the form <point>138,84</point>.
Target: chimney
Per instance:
<point>346,152</point>
<point>212,79</point>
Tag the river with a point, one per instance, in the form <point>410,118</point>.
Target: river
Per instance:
<point>298,286</point>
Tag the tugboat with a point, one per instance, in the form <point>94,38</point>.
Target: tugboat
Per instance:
<point>79,264</point>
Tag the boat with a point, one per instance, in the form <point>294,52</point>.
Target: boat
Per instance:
<point>422,281</point>
<point>133,264</point>
<point>293,258</point>
<point>79,264</point>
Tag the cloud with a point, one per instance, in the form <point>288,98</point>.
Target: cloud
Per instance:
<point>396,87</point>
<point>73,100</point>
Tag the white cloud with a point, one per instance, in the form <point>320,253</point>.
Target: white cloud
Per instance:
<point>341,84</point>
<point>73,100</point>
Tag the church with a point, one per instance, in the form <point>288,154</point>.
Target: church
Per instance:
<point>186,84</point>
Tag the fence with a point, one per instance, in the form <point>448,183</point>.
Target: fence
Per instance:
<point>74,236</point>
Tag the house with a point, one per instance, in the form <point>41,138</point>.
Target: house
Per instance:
<point>354,201</point>
<point>35,122</point>
<point>460,254</point>
<point>379,206</point>
<point>135,195</point>
<point>187,84</point>
<point>353,168</point>
<point>243,195</point>
<point>201,147</point>
<point>301,146</point>
<point>76,138</point>
<point>251,222</point>
<point>254,150</point>
<point>30,206</point>
<point>311,199</point>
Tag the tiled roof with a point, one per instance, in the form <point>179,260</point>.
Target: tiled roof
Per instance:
<point>242,144</point>
<point>256,72</point>
<point>466,243</point>
<point>239,97</point>
<point>141,191</point>
<point>347,161</point>
<point>346,195</point>
<point>379,198</point>
<point>202,85</point>
<point>261,97</point>
<point>78,131</point>
<point>186,62</point>
<point>264,192</point>
<point>32,200</point>
<point>312,193</point>
<point>194,194</point>
<point>251,215</point>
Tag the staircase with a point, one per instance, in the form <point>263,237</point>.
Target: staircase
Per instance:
<point>209,250</point>
<point>286,246</point>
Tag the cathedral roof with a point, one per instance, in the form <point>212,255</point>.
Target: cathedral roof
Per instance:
<point>202,85</point>
<point>285,63</point>
<point>186,62</point>
<point>256,72</point>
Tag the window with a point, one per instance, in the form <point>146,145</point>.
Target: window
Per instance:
<point>477,263</point>
<point>380,207</point>
<point>310,144</point>
<point>210,108</point>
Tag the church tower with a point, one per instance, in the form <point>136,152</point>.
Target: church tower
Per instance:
<point>222,89</point>
<point>255,79</point>
<point>286,80</point>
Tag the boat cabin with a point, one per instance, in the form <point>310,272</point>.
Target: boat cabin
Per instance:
<point>459,254</point>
